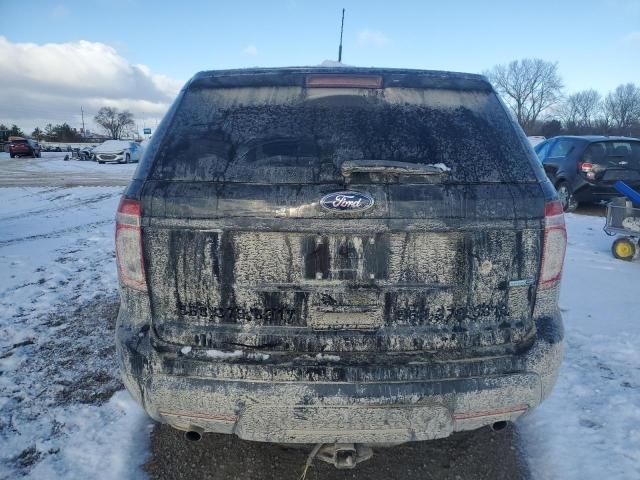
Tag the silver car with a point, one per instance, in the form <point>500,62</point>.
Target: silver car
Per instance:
<point>118,151</point>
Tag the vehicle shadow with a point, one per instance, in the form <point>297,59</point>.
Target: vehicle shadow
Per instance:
<point>482,454</point>
<point>592,209</point>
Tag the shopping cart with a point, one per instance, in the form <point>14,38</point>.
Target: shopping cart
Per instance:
<point>623,219</point>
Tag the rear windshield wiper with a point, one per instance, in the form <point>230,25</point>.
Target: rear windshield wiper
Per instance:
<point>392,167</point>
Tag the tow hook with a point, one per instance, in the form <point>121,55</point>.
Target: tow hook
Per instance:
<point>344,455</point>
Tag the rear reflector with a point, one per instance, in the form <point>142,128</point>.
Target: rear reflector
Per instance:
<point>203,416</point>
<point>129,245</point>
<point>555,244</point>
<point>349,81</point>
<point>521,408</point>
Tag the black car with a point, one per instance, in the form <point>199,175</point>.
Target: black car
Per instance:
<point>584,168</point>
<point>86,153</point>
<point>339,256</point>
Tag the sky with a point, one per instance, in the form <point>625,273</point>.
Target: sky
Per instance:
<point>136,54</point>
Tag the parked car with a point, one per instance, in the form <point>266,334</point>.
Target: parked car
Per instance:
<point>584,168</point>
<point>86,153</point>
<point>118,151</point>
<point>536,139</point>
<point>24,147</point>
<point>339,256</point>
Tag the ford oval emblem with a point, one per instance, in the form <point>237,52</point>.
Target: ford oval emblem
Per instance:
<point>347,201</point>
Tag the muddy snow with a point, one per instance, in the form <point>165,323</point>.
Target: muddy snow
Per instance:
<point>63,413</point>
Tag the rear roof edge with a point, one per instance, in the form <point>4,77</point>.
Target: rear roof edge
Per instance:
<point>598,138</point>
<point>296,76</point>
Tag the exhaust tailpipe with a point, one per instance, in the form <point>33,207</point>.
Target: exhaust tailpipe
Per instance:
<point>497,426</point>
<point>194,434</point>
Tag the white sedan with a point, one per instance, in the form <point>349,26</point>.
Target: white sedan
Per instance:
<point>118,151</point>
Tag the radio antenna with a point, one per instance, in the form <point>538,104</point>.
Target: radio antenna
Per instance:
<point>340,47</point>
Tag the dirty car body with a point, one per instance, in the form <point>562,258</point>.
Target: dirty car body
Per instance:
<point>316,255</point>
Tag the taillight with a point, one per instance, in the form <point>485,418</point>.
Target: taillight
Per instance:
<point>129,245</point>
<point>585,167</point>
<point>555,244</point>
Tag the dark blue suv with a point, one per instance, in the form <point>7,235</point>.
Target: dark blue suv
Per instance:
<point>339,256</point>
<point>584,168</point>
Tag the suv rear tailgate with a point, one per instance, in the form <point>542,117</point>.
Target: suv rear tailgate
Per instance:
<point>239,253</point>
<point>424,269</point>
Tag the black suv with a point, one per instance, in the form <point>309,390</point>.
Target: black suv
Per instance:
<point>584,169</point>
<point>339,256</point>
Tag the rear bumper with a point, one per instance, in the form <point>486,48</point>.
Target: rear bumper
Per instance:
<point>24,152</point>
<point>176,390</point>
<point>588,192</point>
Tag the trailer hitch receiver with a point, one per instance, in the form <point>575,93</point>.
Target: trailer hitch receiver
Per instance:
<point>344,455</point>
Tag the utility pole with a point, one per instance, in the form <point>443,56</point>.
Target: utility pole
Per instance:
<point>340,47</point>
<point>84,134</point>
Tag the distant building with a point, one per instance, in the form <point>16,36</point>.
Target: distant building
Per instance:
<point>95,137</point>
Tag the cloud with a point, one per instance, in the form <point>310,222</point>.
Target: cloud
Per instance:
<point>250,50</point>
<point>372,38</point>
<point>43,83</point>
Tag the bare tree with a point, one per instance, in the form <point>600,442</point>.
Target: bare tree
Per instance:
<point>589,106</point>
<point>132,131</point>
<point>581,110</point>
<point>113,122</point>
<point>528,86</point>
<point>622,106</point>
<point>567,112</point>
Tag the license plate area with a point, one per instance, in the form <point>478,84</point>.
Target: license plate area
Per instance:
<point>345,311</point>
<point>322,320</point>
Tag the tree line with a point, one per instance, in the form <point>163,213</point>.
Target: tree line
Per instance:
<point>62,132</point>
<point>534,91</point>
<point>116,124</point>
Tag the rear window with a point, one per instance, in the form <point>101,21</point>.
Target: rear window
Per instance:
<point>613,152</point>
<point>561,148</point>
<point>297,135</point>
<point>19,142</point>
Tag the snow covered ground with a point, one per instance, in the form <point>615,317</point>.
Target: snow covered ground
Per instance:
<point>53,170</point>
<point>590,425</point>
<point>59,417</point>
<point>63,413</point>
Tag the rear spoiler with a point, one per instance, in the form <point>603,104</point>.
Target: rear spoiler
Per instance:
<point>298,77</point>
